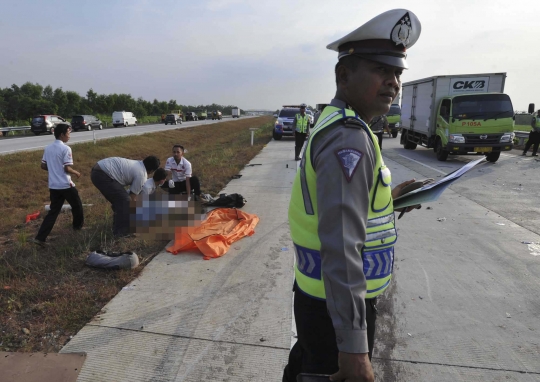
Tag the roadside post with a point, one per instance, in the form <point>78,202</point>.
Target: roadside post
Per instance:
<point>94,134</point>
<point>253,129</point>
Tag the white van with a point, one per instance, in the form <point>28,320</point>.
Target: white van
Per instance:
<point>123,118</point>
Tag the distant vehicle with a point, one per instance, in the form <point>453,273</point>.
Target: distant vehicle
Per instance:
<point>394,119</point>
<point>458,114</point>
<point>191,116</point>
<point>216,114</point>
<point>202,114</point>
<point>123,118</point>
<point>283,125</point>
<point>236,112</point>
<point>173,119</point>
<point>179,112</point>
<point>45,123</point>
<point>311,117</point>
<point>86,122</point>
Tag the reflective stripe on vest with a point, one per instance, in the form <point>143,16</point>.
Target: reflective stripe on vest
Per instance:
<point>378,251</point>
<point>301,123</point>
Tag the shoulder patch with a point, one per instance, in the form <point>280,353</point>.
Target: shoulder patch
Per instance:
<point>349,160</point>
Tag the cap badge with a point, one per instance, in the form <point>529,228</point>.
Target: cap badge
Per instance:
<point>351,51</point>
<point>402,31</point>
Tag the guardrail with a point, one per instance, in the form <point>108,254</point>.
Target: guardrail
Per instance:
<point>5,130</point>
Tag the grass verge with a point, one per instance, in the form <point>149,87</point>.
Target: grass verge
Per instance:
<point>47,295</point>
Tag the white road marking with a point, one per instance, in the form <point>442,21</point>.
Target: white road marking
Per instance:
<point>425,165</point>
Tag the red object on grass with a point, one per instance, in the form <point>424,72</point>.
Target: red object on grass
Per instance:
<point>32,216</point>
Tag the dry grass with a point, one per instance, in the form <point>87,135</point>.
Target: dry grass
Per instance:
<point>50,291</point>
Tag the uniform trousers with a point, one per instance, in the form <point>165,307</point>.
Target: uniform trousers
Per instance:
<point>316,349</point>
<point>180,187</point>
<point>299,139</point>
<point>57,201</point>
<point>379,135</point>
<point>534,139</point>
<point>117,195</point>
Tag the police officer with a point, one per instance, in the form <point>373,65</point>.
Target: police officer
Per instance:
<point>378,126</point>
<point>341,215</point>
<point>300,127</point>
<point>534,136</point>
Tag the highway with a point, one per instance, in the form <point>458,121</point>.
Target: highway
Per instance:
<point>464,303</point>
<point>22,143</point>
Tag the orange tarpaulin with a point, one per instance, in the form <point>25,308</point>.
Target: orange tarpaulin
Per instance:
<point>222,227</point>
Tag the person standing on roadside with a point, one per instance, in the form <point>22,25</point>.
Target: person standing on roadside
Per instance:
<point>534,136</point>
<point>182,178</point>
<point>341,211</point>
<point>378,126</point>
<point>58,162</point>
<point>300,128</point>
<point>112,175</point>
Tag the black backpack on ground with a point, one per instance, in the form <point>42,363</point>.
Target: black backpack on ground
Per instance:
<point>228,201</point>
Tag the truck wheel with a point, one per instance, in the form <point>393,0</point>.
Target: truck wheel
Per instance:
<point>394,134</point>
<point>493,157</point>
<point>277,137</point>
<point>405,142</point>
<point>89,127</point>
<point>100,126</point>
<point>442,154</point>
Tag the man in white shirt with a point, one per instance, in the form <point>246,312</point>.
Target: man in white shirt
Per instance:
<point>58,161</point>
<point>112,175</point>
<point>156,180</point>
<point>182,179</point>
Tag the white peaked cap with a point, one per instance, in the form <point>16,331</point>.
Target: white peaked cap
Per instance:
<point>385,38</point>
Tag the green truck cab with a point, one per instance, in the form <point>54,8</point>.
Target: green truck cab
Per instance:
<point>458,115</point>
<point>394,119</point>
<point>202,114</point>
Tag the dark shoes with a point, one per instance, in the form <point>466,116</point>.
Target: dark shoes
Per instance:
<point>524,154</point>
<point>534,155</point>
<point>42,244</point>
<point>297,158</point>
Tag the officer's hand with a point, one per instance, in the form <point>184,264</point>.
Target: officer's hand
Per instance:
<point>353,368</point>
<point>397,190</point>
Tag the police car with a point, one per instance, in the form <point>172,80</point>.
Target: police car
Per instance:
<point>285,118</point>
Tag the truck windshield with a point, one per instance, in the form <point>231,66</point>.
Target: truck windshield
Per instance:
<point>394,110</point>
<point>485,106</point>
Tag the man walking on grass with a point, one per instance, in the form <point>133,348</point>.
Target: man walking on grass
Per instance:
<point>58,161</point>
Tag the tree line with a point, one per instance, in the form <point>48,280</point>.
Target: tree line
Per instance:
<point>24,102</point>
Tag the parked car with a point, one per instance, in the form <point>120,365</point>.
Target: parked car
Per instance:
<point>45,123</point>
<point>86,122</point>
<point>173,119</point>
<point>191,116</point>
<point>283,125</point>
<point>123,118</point>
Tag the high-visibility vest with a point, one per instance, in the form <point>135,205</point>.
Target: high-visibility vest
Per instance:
<point>378,250</point>
<point>301,123</point>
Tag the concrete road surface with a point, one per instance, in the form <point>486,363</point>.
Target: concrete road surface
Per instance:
<point>464,304</point>
<point>21,143</point>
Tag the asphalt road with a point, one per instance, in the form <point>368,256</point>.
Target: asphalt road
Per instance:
<point>464,303</point>
<point>21,143</point>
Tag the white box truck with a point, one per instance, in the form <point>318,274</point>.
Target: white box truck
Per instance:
<point>236,112</point>
<point>457,115</point>
<point>123,118</point>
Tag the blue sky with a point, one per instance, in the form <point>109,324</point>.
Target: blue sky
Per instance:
<point>254,54</point>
